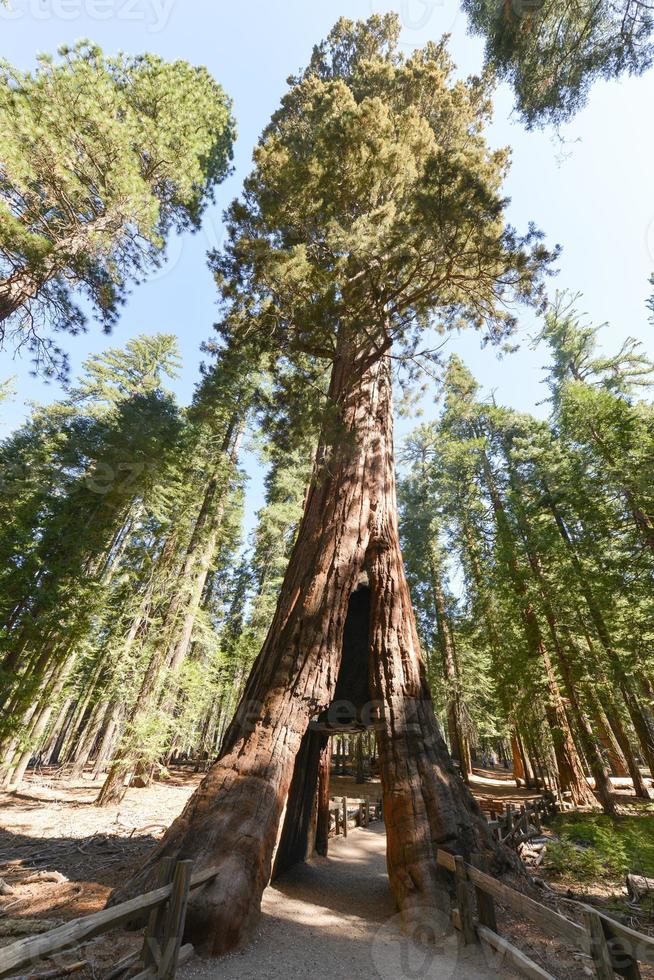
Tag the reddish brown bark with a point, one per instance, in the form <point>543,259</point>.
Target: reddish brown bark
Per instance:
<point>349,526</point>
<point>518,767</point>
<point>459,742</point>
<point>321,843</point>
<point>607,737</point>
<point>571,772</point>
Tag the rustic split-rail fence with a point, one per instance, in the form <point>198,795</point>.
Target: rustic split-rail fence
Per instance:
<point>162,950</point>
<point>514,824</point>
<point>613,948</point>
<point>365,812</point>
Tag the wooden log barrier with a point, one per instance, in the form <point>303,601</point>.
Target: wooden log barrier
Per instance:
<point>165,928</point>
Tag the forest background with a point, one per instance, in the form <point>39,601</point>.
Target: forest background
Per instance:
<point>586,187</point>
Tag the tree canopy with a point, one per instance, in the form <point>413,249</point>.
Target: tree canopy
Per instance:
<point>102,158</point>
<point>551,51</point>
<point>375,205</point>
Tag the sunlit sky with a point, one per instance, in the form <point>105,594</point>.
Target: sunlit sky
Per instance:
<point>594,194</point>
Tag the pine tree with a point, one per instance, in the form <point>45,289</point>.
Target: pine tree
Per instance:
<point>551,51</point>
<point>102,159</point>
<point>97,460</point>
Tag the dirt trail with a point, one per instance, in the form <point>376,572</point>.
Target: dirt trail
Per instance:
<point>336,918</point>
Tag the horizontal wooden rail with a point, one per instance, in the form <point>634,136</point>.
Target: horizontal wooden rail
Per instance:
<point>541,914</point>
<point>514,955</point>
<point>613,947</point>
<point>365,811</point>
<point>26,951</point>
<point>513,824</point>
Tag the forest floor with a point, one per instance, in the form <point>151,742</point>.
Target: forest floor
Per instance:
<point>51,826</point>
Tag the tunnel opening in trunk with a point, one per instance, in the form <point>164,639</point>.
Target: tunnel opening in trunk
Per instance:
<point>350,711</point>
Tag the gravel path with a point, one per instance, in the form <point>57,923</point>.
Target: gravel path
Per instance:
<point>337,919</point>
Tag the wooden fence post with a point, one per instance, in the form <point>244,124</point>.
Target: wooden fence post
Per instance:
<point>366,812</point>
<point>153,939</point>
<point>599,949</point>
<point>509,820</point>
<point>622,949</point>
<point>463,901</point>
<point>537,817</point>
<point>485,902</point>
<point>174,927</point>
<point>345,816</point>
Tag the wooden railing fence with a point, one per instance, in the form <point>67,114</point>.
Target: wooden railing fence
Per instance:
<point>513,824</point>
<point>162,948</point>
<point>612,947</point>
<point>366,812</point>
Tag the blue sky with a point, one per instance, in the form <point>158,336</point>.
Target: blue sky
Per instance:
<point>595,197</point>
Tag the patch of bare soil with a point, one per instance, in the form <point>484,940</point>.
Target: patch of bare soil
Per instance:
<point>60,856</point>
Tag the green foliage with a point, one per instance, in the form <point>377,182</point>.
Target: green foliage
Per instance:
<point>551,51</point>
<point>547,529</point>
<point>102,158</point>
<point>600,848</point>
<point>7,390</point>
<point>375,206</point>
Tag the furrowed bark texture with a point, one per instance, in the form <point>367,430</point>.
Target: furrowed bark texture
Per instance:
<point>426,805</point>
<point>232,821</point>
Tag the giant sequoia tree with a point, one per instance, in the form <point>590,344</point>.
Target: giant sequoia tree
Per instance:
<point>374,209</point>
<point>101,159</point>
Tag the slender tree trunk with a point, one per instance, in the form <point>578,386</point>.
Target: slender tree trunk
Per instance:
<point>110,730</point>
<point>603,786</point>
<point>641,728</point>
<point>527,766</point>
<point>518,767</point>
<point>571,772</point>
<point>623,740</point>
<point>56,732</point>
<point>40,723</point>
<point>349,525</point>
<point>570,767</point>
<point>458,736</point>
<point>88,739</point>
<point>323,816</point>
<point>182,611</point>
<point>612,748</point>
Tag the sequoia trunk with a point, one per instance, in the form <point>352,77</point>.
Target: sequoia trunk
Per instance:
<point>349,527</point>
